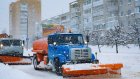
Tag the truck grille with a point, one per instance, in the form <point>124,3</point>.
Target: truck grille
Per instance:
<point>80,54</point>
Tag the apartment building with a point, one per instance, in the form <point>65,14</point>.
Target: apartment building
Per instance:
<point>102,15</point>
<point>24,18</point>
<point>105,14</point>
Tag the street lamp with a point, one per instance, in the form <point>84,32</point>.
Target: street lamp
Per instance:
<point>27,38</point>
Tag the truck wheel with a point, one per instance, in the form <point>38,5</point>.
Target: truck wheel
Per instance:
<point>58,66</point>
<point>1,61</point>
<point>96,61</point>
<point>35,63</point>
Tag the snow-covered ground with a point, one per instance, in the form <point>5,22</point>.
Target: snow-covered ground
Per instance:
<point>130,57</point>
<point>7,72</point>
<point>28,52</point>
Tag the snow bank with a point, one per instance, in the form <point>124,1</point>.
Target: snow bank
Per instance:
<point>6,72</point>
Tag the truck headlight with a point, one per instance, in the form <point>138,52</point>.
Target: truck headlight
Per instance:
<point>1,45</point>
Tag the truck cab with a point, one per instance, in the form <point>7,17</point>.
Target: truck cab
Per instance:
<point>11,46</point>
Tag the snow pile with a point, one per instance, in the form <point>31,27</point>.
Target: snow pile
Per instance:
<point>7,72</point>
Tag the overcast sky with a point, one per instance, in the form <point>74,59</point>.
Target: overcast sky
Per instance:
<point>50,8</point>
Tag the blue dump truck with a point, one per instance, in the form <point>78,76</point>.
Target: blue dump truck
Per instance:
<point>64,52</point>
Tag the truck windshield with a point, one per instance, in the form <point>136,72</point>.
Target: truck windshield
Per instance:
<point>70,39</point>
<point>11,42</point>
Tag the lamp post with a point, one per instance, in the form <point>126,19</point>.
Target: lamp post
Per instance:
<point>27,38</point>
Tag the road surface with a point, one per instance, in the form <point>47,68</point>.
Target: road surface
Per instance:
<point>37,74</point>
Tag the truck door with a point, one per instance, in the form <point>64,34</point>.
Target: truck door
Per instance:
<point>51,47</point>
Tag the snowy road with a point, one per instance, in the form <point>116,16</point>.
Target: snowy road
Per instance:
<point>37,74</point>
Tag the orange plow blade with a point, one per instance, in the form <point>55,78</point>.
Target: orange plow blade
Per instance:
<point>15,60</point>
<point>91,69</point>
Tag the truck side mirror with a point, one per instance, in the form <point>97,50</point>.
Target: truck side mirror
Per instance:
<point>87,38</point>
<point>23,42</point>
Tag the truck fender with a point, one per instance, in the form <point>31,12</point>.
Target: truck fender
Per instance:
<point>92,57</point>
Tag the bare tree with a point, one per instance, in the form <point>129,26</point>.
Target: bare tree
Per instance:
<point>97,38</point>
<point>135,32</point>
<point>116,37</point>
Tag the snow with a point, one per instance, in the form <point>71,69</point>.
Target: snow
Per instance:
<point>130,57</point>
<point>85,66</point>
<point>122,49</point>
<point>7,72</point>
<point>28,52</point>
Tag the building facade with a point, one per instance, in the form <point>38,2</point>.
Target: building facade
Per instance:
<point>63,19</point>
<point>24,18</point>
<point>101,15</point>
<point>106,14</point>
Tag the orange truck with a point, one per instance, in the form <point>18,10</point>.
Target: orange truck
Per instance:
<point>67,54</point>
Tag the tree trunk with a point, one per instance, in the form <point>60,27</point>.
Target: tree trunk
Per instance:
<point>99,48</point>
<point>116,46</point>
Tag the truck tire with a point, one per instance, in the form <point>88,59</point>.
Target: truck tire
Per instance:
<point>1,61</point>
<point>35,62</point>
<point>96,61</point>
<point>58,66</point>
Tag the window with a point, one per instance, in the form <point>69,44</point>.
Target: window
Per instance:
<point>68,39</point>
<point>121,2</point>
<point>137,9</point>
<point>86,2</point>
<point>98,8</point>
<point>74,5</point>
<point>121,13</point>
<point>23,7</point>
<point>87,11</point>
<point>129,12</point>
<point>63,18</point>
<point>129,1</point>
<point>95,0</point>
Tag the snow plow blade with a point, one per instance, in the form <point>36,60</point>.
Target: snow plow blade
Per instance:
<point>15,60</point>
<point>91,69</point>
